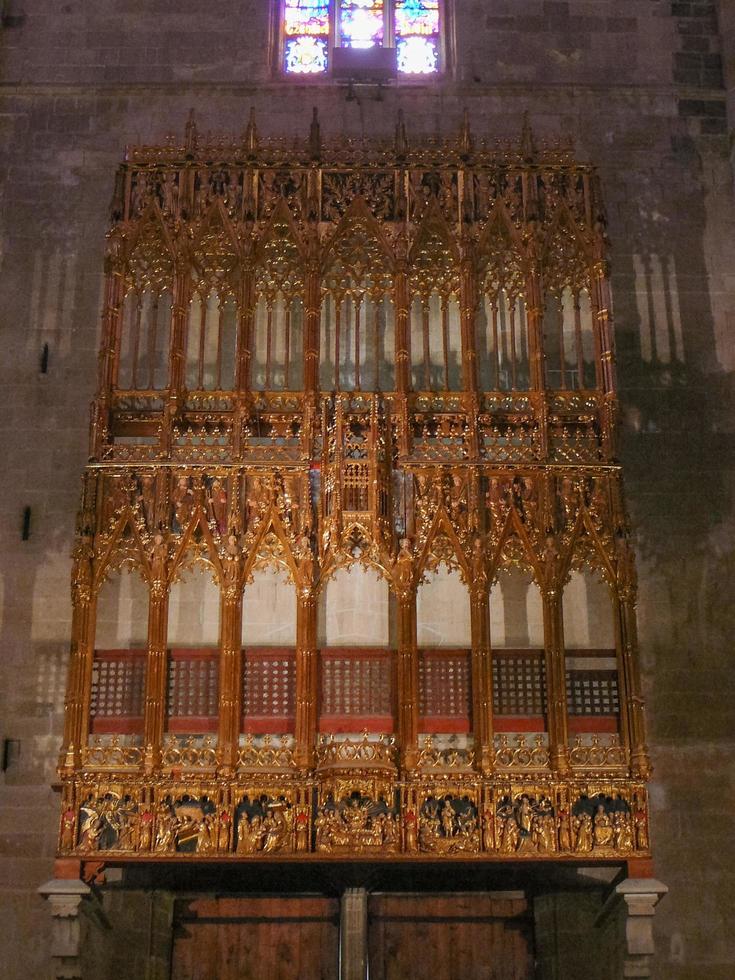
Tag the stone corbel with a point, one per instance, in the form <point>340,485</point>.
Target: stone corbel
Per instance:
<point>634,901</point>
<point>69,898</point>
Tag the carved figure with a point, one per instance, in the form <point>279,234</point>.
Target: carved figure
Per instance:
<point>218,505</point>
<point>165,842</point>
<point>640,819</point>
<point>583,828</point>
<point>68,829</point>
<point>183,502</point>
<point>622,831</point>
<point>603,829</point>
<point>145,830</point>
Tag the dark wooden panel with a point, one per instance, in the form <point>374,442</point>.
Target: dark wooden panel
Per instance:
<point>256,938</point>
<point>452,937</point>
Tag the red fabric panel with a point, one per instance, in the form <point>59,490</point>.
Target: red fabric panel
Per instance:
<point>578,724</point>
<point>519,723</point>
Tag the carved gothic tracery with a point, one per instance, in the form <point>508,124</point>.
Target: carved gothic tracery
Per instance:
<point>334,359</point>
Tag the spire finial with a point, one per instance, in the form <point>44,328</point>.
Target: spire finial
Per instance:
<point>191,133</point>
<point>315,137</point>
<point>251,134</point>
<point>401,138</point>
<point>465,138</point>
<point>527,146</point>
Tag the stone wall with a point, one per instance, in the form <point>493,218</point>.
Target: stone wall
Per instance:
<point>642,99</point>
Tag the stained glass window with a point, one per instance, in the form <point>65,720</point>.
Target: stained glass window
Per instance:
<point>312,27</point>
<point>361,23</point>
<point>417,36</point>
<point>306,36</point>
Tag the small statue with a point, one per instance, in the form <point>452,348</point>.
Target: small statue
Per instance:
<point>145,830</point>
<point>584,831</point>
<point>218,505</point>
<point>410,830</point>
<point>183,502</point>
<point>68,829</point>
<point>603,829</point>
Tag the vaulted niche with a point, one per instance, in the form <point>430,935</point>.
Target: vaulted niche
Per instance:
<point>193,645</point>
<point>277,340</point>
<point>211,341</point>
<point>269,651</point>
<point>502,343</point>
<point>144,340</point>
<point>593,701</point>
<point>278,343</point>
<point>357,331</point>
<point>569,341</point>
<point>444,638</point>
<point>354,622</point>
<point>517,641</point>
<point>503,356</point>
<point>357,342</point>
<point>436,345</point>
<point>121,641</point>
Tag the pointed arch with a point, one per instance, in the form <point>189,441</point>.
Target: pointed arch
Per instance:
<point>585,548</point>
<point>515,548</point>
<point>123,548</point>
<point>434,285</point>
<point>216,251</point>
<point>357,329</point>
<point>144,321</point>
<point>501,326</point>
<point>442,546</point>
<point>570,338</point>
<point>151,252</point>
<point>270,547</point>
<point>196,546</point>
<point>279,282</point>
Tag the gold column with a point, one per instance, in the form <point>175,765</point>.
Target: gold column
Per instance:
<point>407,679</point>
<point>307,676</point>
<point>311,326</point>
<point>230,664</point>
<point>245,330</point>
<point>79,681</point>
<point>482,676</point>
<point>403,354</point>
<point>632,715</point>
<point>108,359</point>
<point>156,679</point>
<point>468,305</point>
<point>556,684</point>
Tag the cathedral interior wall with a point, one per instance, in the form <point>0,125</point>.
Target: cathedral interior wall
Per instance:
<point>646,104</point>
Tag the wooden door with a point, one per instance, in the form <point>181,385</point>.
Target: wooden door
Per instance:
<point>263,938</point>
<point>450,937</point>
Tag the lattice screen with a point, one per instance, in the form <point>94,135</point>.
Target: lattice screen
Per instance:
<point>192,690</point>
<point>592,692</point>
<point>269,690</point>
<point>519,684</point>
<point>118,690</point>
<point>444,690</point>
<point>355,690</point>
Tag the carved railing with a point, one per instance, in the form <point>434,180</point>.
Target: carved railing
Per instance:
<point>521,755</point>
<point>268,753</point>
<point>334,752</point>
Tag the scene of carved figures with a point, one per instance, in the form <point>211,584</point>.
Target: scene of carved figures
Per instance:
<point>106,823</point>
<point>186,825</point>
<point>265,824</point>
<point>604,823</point>
<point>526,824</point>
<point>447,824</point>
<point>356,823</point>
